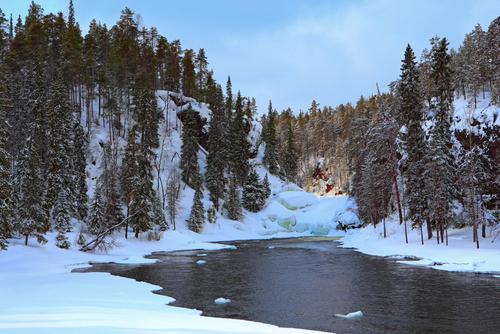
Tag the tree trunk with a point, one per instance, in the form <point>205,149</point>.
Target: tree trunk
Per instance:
<point>26,240</point>
<point>476,236</point>
<point>483,230</point>
<point>398,199</point>
<point>446,232</point>
<point>421,233</point>
<point>385,230</point>
<point>441,231</point>
<point>429,230</point>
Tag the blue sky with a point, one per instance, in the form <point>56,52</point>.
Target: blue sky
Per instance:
<point>294,51</point>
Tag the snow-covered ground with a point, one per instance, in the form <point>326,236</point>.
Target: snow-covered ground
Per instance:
<point>460,254</point>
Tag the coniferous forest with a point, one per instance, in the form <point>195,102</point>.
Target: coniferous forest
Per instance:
<point>401,152</point>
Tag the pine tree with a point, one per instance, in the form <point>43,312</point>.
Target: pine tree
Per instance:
<point>290,156</point>
<point>441,169</point>
<point>142,208</point>
<point>197,216</point>
<point>267,187</point>
<point>60,144</point>
<point>96,221</point>
<point>239,148</point>
<point>253,192</point>
<point>212,215</point>
<point>172,194</point>
<point>232,203</point>
<point>411,113</point>
<point>61,219</point>
<point>173,76</point>
<point>216,162</point>
<point>80,175</point>
<point>270,153</point>
<point>188,74</point>
<point>189,150</point>
<point>201,75</point>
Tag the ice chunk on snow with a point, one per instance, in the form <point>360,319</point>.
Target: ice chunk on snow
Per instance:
<point>222,300</point>
<point>202,254</point>
<point>288,222</point>
<point>350,316</point>
<point>271,247</point>
<point>201,262</point>
<point>294,200</point>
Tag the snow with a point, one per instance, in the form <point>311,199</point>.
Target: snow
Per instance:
<point>460,255</point>
<point>350,316</point>
<point>222,301</point>
<point>201,262</point>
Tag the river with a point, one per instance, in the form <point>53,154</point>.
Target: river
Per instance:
<point>304,282</point>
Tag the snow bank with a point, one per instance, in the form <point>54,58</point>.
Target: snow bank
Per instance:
<point>460,255</point>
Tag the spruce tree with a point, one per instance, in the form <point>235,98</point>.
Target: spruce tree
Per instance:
<point>441,167</point>
<point>267,186</point>
<point>188,74</point>
<point>61,219</point>
<point>232,203</point>
<point>189,150</point>
<point>142,208</point>
<point>216,163</point>
<point>201,75</point>
<point>96,221</point>
<point>197,216</point>
<point>411,113</point>
<point>212,215</point>
<point>253,192</point>
<point>290,156</point>
<point>239,147</point>
<point>60,145</point>
<point>80,175</point>
<point>271,153</point>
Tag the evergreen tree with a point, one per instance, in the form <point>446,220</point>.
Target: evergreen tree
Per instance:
<point>253,192</point>
<point>232,203</point>
<point>144,209</point>
<point>267,187</point>
<point>271,151</point>
<point>212,215</point>
<point>109,186</point>
<point>173,76</point>
<point>60,144</point>
<point>216,162</point>
<point>6,190</point>
<point>441,169</point>
<point>96,221</point>
<point>189,150</point>
<point>239,148</point>
<point>80,175</point>
<point>197,216</point>
<point>290,156</point>
<point>61,219</point>
<point>201,75</point>
<point>188,74</point>
<point>411,110</point>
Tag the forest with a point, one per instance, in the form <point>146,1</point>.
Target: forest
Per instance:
<point>403,152</point>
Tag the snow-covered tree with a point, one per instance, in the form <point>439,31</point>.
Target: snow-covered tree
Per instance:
<point>197,216</point>
<point>232,203</point>
<point>253,198</point>
<point>61,219</point>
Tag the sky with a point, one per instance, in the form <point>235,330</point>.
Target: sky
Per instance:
<point>294,51</point>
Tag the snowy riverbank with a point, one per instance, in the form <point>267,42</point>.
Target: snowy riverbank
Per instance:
<point>460,255</point>
<point>39,292</point>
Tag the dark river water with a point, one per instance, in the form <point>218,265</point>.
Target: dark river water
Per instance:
<point>302,283</point>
